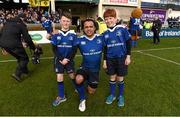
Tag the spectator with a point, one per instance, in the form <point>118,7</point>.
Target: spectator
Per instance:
<point>101,25</point>
<point>156,27</point>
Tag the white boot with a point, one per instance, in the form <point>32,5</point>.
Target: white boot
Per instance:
<point>82,105</point>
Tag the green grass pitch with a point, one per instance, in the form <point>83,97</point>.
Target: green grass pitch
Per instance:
<point>152,86</point>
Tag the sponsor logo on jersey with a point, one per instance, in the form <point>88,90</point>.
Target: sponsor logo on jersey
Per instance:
<point>64,43</point>
<point>92,50</point>
<point>58,37</point>
<point>99,41</point>
<point>113,41</point>
<point>115,44</point>
<point>71,38</point>
<point>83,43</point>
<point>106,36</point>
<point>92,53</point>
<point>118,33</point>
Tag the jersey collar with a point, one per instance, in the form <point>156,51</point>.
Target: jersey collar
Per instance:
<point>90,39</point>
<point>65,34</point>
<point>112,29</point>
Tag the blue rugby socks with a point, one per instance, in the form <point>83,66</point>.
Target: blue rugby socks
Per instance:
<point>81,91</point>
<point>121,87</point>
<point>61,89</point>
<point>112,85</point>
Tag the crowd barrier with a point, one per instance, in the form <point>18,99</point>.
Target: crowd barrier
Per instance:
<point>34,27</point>
<point>38,34</point>
<point>146,34</point>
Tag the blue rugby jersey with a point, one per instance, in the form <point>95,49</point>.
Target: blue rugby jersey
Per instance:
<point>134,23</point>
<point>115,41</point>
<point>64,42</point>
<point>91,50</point>
<point>47,24</point>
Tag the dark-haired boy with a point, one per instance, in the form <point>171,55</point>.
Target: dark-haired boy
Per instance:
<point>90,46</point>
<point>62,47</point>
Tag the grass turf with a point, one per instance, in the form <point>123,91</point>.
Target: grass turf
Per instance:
<point>152,86</point>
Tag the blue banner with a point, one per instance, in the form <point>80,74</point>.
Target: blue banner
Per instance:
<point>165,33</point>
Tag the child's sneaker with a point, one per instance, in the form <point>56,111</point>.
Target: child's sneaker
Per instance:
<point>120,101</point>
<point>110,99</point>
<point>59,100</point>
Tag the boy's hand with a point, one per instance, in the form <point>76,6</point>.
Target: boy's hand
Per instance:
<point>128,60</point>
<point>48,36</point>
<point>64,61</point>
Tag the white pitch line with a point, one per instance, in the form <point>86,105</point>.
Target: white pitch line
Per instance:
<point>5,61</point>
<point>170,48</point>
<point>45,58</point>
<point>151,55</point>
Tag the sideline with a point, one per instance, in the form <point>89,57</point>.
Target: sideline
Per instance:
<point>167,60</point>
<point>170,48</point>
<point>138,51</point>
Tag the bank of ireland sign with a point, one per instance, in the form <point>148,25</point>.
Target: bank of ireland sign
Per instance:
<point>164,33</point>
